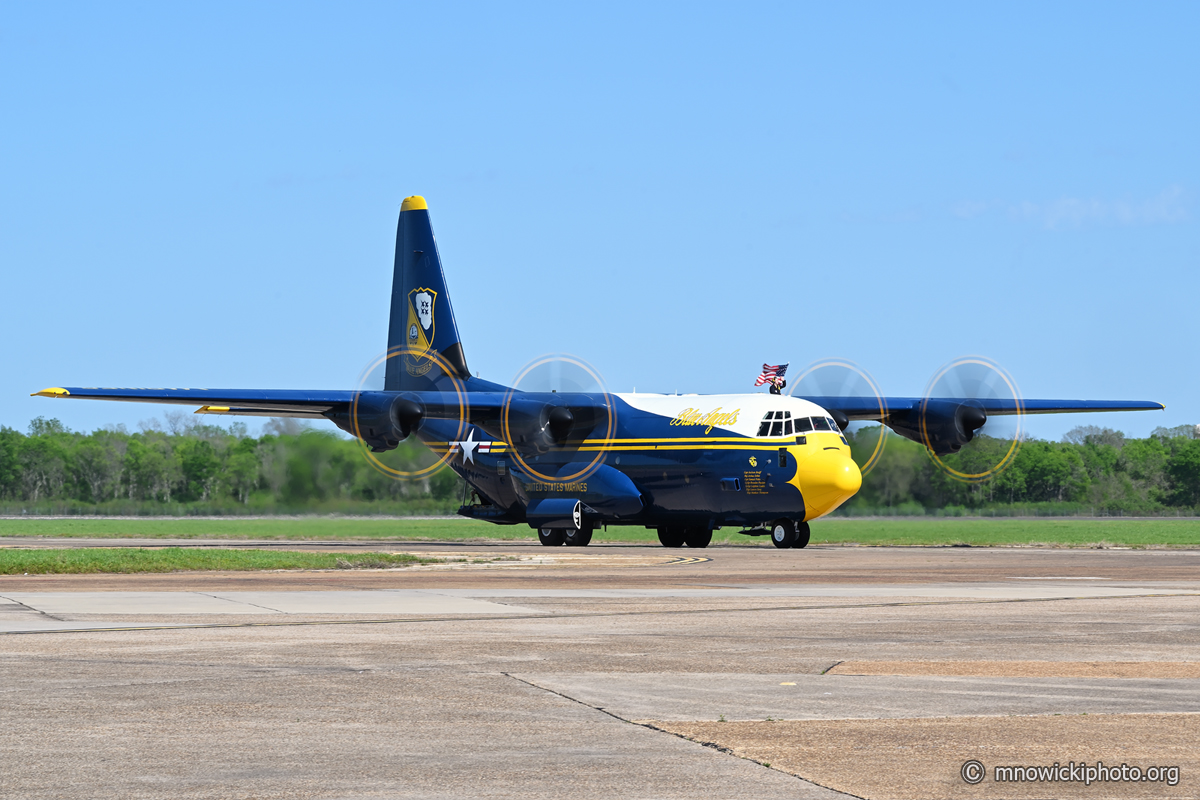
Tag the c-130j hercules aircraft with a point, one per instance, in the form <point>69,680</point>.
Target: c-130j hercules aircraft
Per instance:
<point>566,462</point>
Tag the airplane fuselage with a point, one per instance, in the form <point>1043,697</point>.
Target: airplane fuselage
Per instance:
<point>691,460</point>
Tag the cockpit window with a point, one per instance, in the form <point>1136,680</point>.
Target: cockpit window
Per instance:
<point>833,426</point>
<point>803,425</point>
<point>820,424</point>
<point>777,423</point>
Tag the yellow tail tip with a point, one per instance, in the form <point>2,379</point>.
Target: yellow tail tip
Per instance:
<point>414,203</point>
<point>53,391</point>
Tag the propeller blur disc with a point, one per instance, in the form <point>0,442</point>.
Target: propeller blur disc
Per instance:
<point>837,377</point>
<point>400,462</point>
<point>562,374</point>
<point>969,382</point>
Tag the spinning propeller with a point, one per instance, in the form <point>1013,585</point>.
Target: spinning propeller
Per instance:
<point>852,386</point>
<point>383,422</point>
<point>559,403</point>
<point>970,419</point>
<point>558,419</point>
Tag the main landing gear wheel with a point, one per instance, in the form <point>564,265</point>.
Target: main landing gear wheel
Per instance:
<point>697,537</point>
<point>671,536</point>
<point>803,534</point>
<point>783,533</point>
<point>579,538</point>
<point>552,537</point>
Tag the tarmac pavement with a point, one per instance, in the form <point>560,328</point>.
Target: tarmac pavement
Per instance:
<point>580,676</point>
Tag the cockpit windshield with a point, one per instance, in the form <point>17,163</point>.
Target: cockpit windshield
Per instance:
<point>780,423</point>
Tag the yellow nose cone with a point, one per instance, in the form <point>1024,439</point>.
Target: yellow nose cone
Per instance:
<point>826,479</point>
<point>847,477</point>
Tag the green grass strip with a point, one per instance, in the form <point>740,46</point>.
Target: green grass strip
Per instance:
<point>15,561</point>
<point>1053,532</point>
<point>913,531</point>
<point>282,528</point>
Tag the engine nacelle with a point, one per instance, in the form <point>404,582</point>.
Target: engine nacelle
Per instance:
<point>543,425</point>
<point>381,419</point>
<point>943,426</point>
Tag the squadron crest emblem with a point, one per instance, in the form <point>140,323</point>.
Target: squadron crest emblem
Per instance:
<point>421,328</point>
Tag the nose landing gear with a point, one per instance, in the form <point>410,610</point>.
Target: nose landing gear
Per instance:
<point>787,534</point>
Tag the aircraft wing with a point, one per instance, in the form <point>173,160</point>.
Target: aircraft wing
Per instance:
<point>482,407</point>
<point>245,402</point>
<point>869,408</point>
<point>945,424</point>
<point>383,419</point>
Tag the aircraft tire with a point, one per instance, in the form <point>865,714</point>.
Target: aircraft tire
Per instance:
<point>697,537</point>
<point>671,536</point>
<point>579,538</point>
<point>803,534</point>
<point>783,533</point>
<point>552,537</point>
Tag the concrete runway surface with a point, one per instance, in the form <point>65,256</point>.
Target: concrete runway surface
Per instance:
<point>611,671</point>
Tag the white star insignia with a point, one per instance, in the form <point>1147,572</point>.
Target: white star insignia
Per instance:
<point>468,447</point>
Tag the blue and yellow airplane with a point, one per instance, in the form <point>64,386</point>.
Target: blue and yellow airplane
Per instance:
<point>566,462</point>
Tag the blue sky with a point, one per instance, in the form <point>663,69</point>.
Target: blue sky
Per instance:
<point>206,194</point>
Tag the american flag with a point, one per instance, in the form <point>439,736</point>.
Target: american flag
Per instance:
<point>771,371</point>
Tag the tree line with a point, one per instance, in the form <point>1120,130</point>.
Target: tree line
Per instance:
<point>184,466</point>
<point>1092,470</point>
<point>188,467</point>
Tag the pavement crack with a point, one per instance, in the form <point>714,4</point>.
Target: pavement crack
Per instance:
<point>31,608</point>
<point>241,602</point>
<point>574,700</point>
<point>831,666</point>
<point>711,745</point>
<point>551,615</point>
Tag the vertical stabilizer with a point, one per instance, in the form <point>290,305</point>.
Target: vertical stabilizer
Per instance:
<point>422,319</point>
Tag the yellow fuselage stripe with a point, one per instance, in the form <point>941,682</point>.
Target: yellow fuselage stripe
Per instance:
<point>650,447</point>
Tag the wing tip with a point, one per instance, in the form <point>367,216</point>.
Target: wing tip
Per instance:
<point>53,391</point>
<point>212,410</point>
